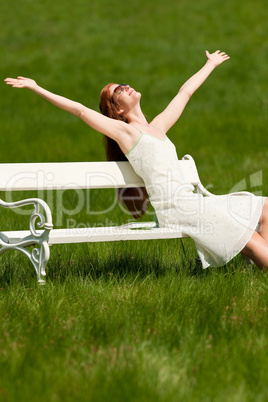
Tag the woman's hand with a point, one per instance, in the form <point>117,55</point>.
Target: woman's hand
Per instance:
<point>21,82</point>
<point>217,57</point>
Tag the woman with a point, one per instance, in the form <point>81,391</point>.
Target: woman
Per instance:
<point>221,226</point>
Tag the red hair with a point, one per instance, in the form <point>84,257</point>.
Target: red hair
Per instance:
<point>135,199</point>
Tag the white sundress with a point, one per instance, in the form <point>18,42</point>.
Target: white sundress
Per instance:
<point>220,225</point>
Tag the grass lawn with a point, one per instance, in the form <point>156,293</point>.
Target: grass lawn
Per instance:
<point>134,321</point>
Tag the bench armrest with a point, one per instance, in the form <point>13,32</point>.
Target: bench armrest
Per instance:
<point>45,221</point>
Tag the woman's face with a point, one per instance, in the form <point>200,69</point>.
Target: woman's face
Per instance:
<point>124,96</point>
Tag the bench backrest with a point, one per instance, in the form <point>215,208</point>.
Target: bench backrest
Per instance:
<point>74,175</point>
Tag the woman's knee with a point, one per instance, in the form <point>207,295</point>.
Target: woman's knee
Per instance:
<point>265,209</point>
<point>251,245</point>
<point>257,250</point>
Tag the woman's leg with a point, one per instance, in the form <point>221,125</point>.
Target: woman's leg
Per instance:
<point>257,250</point>
<point>263,229</point>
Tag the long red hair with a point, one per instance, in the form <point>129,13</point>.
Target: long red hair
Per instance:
<point>135,199</point>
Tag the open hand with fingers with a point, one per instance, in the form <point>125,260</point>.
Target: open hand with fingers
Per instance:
<point>217,57</point>
<point>21,82</point>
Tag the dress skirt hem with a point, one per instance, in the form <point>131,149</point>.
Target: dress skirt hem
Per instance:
<point>240,244</point>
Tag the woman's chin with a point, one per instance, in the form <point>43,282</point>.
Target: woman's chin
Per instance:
<point>137,95</point>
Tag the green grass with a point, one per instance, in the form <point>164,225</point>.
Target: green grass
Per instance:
<point>155,335</point>
<point>133,321</point>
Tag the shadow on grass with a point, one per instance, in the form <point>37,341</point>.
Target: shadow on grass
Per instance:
<point>112,263</point>
<point>17,269</point>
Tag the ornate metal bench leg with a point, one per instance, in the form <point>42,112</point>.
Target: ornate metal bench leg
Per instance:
<point>39,259</point>
<point>38,256</point>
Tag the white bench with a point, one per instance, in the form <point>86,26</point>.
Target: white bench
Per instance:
<point>84,175</point>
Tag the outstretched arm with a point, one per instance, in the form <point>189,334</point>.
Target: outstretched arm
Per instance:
<point>173,111</point>
<point>103,124</point>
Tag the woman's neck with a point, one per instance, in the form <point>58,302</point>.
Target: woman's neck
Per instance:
<point>136,116</point>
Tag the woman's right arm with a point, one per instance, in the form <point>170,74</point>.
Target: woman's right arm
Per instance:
<point>173,111</point>
<point>110,127</point>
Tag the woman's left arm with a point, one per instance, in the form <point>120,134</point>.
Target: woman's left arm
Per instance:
<point>173,111</point>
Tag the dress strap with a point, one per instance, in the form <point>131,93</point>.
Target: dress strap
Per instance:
<point>138,129</point>
<point>159,128</point>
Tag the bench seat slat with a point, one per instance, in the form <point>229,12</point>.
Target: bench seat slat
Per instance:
<point>77,175</point>
<point>73,175</point>
<point>99,234</point>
